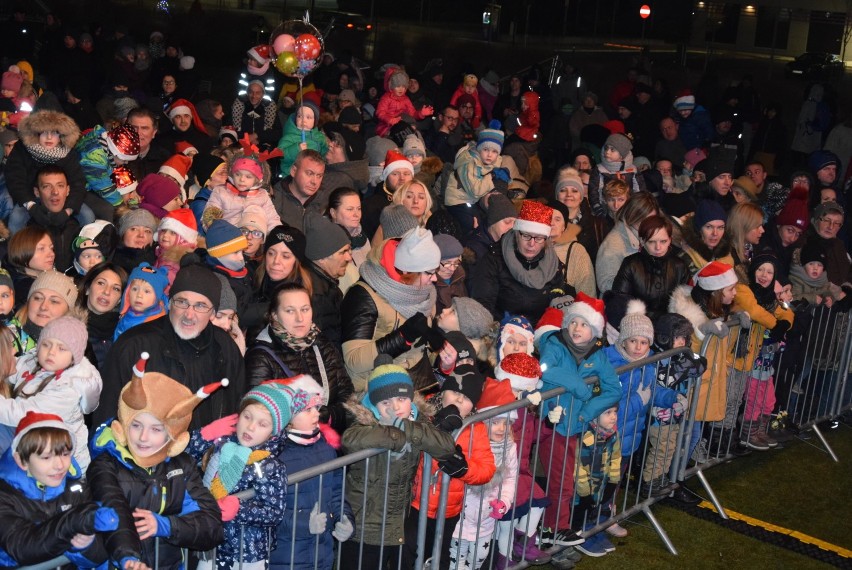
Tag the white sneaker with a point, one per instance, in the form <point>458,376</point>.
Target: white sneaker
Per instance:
<point>617,531</point>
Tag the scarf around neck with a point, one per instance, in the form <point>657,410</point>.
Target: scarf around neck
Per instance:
<point>48,155</point>
<point>407,300</point>
<point>533,277</point>
<point>291,341</point>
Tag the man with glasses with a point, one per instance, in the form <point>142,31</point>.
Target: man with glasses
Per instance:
<point>827,221</point>
<point>521,273</point>
<point>183,345</point>
<point>444,139</point>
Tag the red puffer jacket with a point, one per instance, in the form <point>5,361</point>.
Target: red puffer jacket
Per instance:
<point>480,470</point>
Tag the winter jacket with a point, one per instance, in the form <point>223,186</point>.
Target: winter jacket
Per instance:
<point>97,165</point>
<point>476,521</point>
<point>580,270</point>
<point>256,516</point>
<point>492,284</point>
<point>837,261</point>
<point>477,105</point>
<point>293,137</point>
<point>261,120</point>
<point>599,463</point>
<point>327,491</point>
<point>172,489</point>
<point>22,167</point>
<point>291,210</point>
<point>448,291</point>
<point>39,522</point>
<point>70,394</point>
<point>391,107</point>
<point>651,279</point>
<point>405,445</point>
<point>632,408</point>
<point>480,470</point>
<point>472,179</point>
<point>322,361</point>
<point>326,298</point>
<point>128,258</point>
<point>368,321</point>
<point>170,259</point>
<point>233,203</point>
<point>713,390</point>
<point>582,402</point>
<point>211,356</point>
<point>350,174</point>
<point>697,129</point>
<point>695,253</point>
<point>620,243</point>
<point>762,320</point>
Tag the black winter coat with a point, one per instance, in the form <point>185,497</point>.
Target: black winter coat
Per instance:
<point>211,356</point>
<point>651,279</point>
<point>325,302</point>
<point>261,366</point>
<point>21,171</point>
<point>128,258</point>
<point>63,230</point>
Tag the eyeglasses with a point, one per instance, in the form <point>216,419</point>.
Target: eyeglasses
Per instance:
<point>448,264</point>
<point>183,304</point>
<point>831,223</point>
<point>431,273</point>
<point>257,234</point>
<point>530,237</point>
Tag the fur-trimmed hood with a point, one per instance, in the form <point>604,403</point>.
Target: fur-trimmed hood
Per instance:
<point>692,240</point>
<point>682,303</point>
<point>365,417</point>
<point>431,165</point>
<point>40,121</point>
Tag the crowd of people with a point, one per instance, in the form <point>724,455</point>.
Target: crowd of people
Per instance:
<point>199,298</point>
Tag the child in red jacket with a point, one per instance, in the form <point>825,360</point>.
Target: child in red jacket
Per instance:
<point>468,85</point>
<point>394,103</point>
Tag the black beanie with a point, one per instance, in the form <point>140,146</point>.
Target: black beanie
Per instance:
<point>197,279</point>
<point>289,236</point>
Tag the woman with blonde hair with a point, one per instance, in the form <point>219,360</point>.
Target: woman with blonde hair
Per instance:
<point>417,200</point>
<point>744,229</point>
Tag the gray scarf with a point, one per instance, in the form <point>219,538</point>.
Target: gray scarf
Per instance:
<point>533,277</point>
<point>48,155</point>
<point>407,300</point>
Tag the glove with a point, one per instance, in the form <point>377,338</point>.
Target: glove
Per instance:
<point>220,428</point>
<point>587,504</point>
<point>455,465</point>
<point>664,414</point>
<point>644,394</point>
<point>434,337</point>
<point>609,492</point>
<point>714,327</point>
<point>501,174</point>
<point>555,414</point>
<point>414,328</point>
<point>534,397</point>
<point>680,405</point>
<point>318,520</point>
<point>448,419</point>
<point>106,519</point>
<point>500,186</point>
<point>778,331</point>
<point>343,529</point>
<point>745,320</point>
<point>229,506</point>
<point>498,509</point>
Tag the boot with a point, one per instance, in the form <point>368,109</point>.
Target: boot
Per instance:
<point>500,562</point>
<point>750,437</point>
<point>763,429</point>
<point>531,553</point>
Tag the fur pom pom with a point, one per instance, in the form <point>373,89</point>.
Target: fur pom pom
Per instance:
<point>330,435</point>
<point>635,307</point>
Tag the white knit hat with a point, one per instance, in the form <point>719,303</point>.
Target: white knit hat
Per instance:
<point>417,252</point>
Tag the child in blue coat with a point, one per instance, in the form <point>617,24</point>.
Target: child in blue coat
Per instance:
<point>316,513</point>
<point>570,346</point>
<point>144,297</point>
<point>244,456</point>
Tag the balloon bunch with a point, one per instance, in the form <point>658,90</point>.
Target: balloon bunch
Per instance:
<point>295,48</point>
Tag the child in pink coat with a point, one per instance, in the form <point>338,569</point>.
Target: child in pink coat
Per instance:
<point>394,103</point>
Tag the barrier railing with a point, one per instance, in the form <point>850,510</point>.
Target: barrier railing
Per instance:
<point>808,376</point>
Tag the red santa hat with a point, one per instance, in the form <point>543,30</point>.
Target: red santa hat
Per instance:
<point>521,370</point>
<point>124,180</point>
<point>395,160</point>
<point>177,166</point>
<point>714,276</point>
<point>260,54</point>
<point>590,310</point>
<point>551,320</point>
<point>123,142</point>
<point>534,218</point>
<point>185,147</point>
<point>685,101</point>
<point>182,222</point>
<point>496,394</point>
<point>184,107</point>
<point>34,420</point>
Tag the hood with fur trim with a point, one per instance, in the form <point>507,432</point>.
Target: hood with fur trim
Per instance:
<point>682,303</point>
<point>41,121</point>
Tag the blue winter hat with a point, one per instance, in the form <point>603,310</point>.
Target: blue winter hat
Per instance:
<point>490,138</point>
<point>277,399</point>
<point>224,238</point>
<point>385,382</point>
<point>819,159</point>
<point>512,324</point>
<point>157,277</point>
<point>708,211</point>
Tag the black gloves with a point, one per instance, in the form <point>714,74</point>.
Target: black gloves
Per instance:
<point>434,337</point>
<point>415,327</point>
<point>455,465</point>
<point>448,419</point>
<point>778,331</point>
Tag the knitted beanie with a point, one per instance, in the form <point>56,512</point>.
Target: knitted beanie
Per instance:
<point>6,279</point>
<point>475,321</point>
<point>396,221</point>
<point>417,252</point>
<point>351,116</point>
<point>277,399</point>
<point>748,187</point>
<point>521,370</point>
<point>389,381</point>
<point>500,208</point>
<point>635,323</point>
<point>413,146</point>
<point>670,326</point>
<point>254,218</point>
<point>134,218</point>
<point>224,238</point>
<point>204,165</point>
<point>708,211</point>
<point>12,80</point>
<point>182,222</point>
<point>490,139</point>
<point>571,180</point>
<point>398,79</point>
<point>590,310</point>
<point>819,159</point>
<point>197,279</point>
<point>449,246</point>
<point>156,277</point>
<point>247,163</point>
<point>377,150</point>
<point>37,420</point>
<point>620,143</point>
<point>470,80</point>
<point>57,282</point>
<point>812,252</point>
<point>466,380</point>
<point>323,237</point>
<point>715,165</point>
<point>830,207</point>
<point>304,400</point>
<point>156,191</point>
<point>795,210</point>
<point>290,237</point>
<point>228,299</point>
<point>72,332</point>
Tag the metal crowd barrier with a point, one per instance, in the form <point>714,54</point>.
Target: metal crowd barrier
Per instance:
<point>811,385</point>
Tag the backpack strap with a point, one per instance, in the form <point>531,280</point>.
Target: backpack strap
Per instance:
<point>287,372</point>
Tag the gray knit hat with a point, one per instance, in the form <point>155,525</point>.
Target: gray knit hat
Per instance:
<point>635,323</point>
<point>398,79</point>
<point>413,145</point>
<point>620,143</point>
<point>323,236</point>
<point>396,220</point>
<point>500,208</point>
<point>377,149</point>
<point>475,321</point>
<point>227,300</point>
<point>449,246</point>
<point>138,217</point>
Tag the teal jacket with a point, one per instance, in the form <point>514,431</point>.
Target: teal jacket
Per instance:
<point>97,165</point>
<point>289,143</point>
<point>581,402</point>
